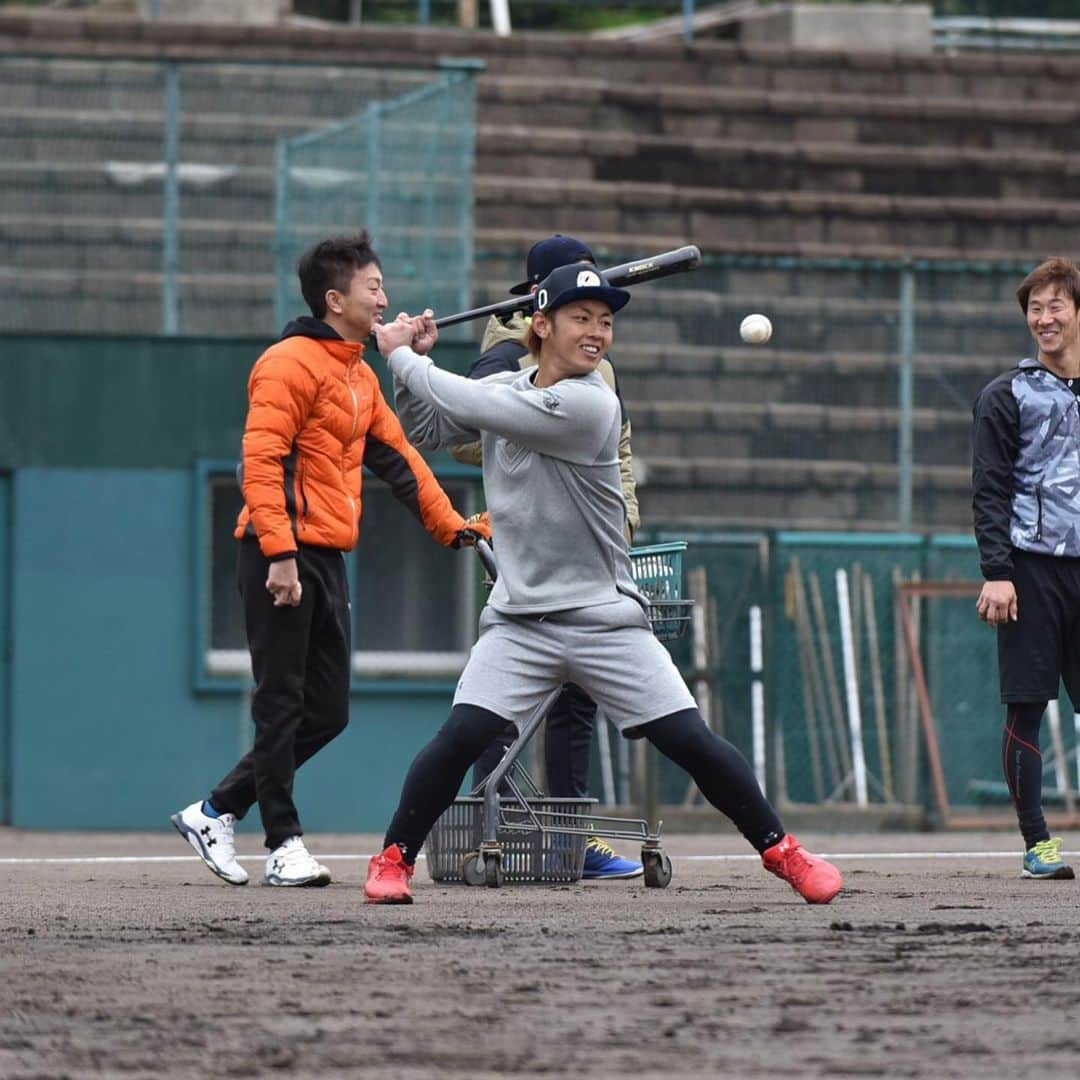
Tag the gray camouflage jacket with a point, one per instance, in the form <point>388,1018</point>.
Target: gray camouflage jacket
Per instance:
<point>1026,467</point>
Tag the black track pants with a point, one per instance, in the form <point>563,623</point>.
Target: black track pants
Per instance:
<point>300,657</point>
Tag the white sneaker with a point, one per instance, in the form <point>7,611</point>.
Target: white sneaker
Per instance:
<point>213,839</point>
<point>293,864</point>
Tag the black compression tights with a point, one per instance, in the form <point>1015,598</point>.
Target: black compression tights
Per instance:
<point>436,773</point>
<point>1024,768</point>
<point>718,769</point>
<point>721,773</point>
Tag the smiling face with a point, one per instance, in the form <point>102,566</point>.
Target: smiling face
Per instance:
<point>1054,322</point>
<point>353,313</point>
<point>574,339</point>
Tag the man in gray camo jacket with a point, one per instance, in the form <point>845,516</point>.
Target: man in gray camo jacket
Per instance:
<point>1026,486</point>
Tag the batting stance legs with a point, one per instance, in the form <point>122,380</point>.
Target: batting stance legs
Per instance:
<point>720,771</point>
<point>511,668</point>
<point>717,767</point>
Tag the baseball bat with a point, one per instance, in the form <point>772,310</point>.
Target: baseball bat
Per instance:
<point>676,261</point>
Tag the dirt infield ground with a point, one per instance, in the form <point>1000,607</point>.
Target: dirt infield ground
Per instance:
<point>924,967</point>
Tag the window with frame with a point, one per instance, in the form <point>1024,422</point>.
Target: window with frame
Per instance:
<point>414,602</point>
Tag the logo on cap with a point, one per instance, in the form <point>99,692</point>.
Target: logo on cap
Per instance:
<point>587,278</point>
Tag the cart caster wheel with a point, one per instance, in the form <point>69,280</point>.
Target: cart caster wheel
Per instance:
<point>472,869</point>
<point>493,872</point>
<point>657,868</point>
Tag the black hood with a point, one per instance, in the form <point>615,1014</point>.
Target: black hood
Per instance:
<point>307,326</point>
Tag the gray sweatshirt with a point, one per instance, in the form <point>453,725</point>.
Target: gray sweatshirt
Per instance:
<point>551,477</point>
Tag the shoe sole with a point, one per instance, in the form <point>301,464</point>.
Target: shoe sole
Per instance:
<point>192,837</point>
<point>387,900</point>
<point>1064,874</point>
<point>620,876</point>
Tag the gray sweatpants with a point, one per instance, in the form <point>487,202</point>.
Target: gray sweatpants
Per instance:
<point>608,650</point>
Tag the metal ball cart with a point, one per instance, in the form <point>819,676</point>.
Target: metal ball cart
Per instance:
<point>523,836</point>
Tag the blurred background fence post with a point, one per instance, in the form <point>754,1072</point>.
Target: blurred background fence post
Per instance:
<point>170,247</point>
<point>404,169</point>
<point>905,450</point>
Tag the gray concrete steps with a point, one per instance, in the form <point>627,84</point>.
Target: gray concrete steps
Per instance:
<point>718,492</point>
<point>746,162</point>
<point>776,220</point>
<point>317,91</point>
<point>233,139</point>
<point>556,56</point>
<point>792,430</point>
<point>759,376</point>
<point>709,111</point>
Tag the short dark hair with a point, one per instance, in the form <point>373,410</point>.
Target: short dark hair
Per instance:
<point>1055,271</point>
<point>331,265</point>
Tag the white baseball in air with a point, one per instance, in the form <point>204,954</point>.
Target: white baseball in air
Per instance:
<point>755,329</point>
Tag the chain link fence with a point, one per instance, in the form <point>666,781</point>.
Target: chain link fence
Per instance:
<point>403,169</point>
<point>145,195</point>
<point>857,713</point>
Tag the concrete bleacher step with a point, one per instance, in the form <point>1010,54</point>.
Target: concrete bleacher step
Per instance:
<point>759,376</point>
<point>807,166</point>
<point>709,111</point>
<point>322,92</point>
<point>781,222</point>
<point>719,492</point>
<point>998,75</point>
<point>795,430</point>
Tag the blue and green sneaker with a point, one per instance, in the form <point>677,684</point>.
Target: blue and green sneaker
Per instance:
<point>1044,861</point>
<point>601,862</point>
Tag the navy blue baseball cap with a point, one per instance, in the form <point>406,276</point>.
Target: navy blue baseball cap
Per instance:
<point>547,255</point>
<point>578,281</point>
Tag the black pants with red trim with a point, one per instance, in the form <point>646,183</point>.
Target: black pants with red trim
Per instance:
<point>300,657</point>
<point>1035,655</point>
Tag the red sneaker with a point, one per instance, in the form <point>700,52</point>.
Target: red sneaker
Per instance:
<point>388,878</point>
<point>815,880</point>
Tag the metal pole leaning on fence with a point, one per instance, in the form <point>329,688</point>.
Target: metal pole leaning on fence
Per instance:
<point>878,687</point>
<point>281,244</point>
<point>813,697</point>
<point>905,452</point>
<point>858,759</point>
<point>374,150</point>
<point>757,696</point>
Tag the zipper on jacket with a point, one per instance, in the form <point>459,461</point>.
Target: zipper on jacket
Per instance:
<point>1038,502</point>
<point>303,495</point>
<point>354,523</point>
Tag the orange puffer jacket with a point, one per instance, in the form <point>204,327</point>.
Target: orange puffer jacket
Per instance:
<point>316,415</point>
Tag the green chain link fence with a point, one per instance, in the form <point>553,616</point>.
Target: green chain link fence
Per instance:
<point>403,170</point>
<point>145,194</point>
<point>843,724</point>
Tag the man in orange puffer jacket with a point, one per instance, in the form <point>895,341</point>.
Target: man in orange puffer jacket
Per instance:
<point>316,415</point>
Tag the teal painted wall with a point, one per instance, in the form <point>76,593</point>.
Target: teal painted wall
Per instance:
<point>103,725</point>
<point>107,731</point>
<point>89,402</point>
